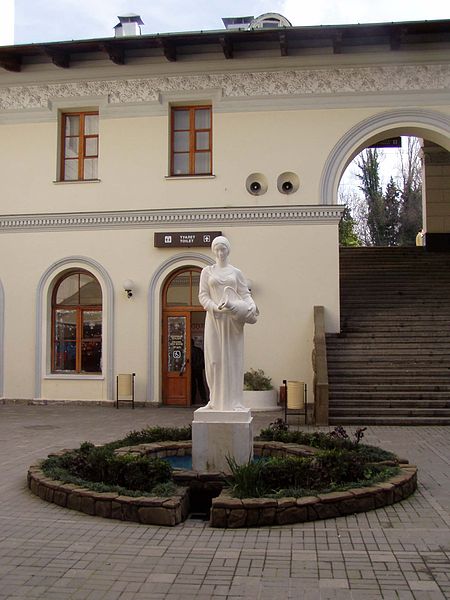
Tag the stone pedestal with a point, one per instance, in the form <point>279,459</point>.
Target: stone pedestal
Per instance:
<point>217,434</point>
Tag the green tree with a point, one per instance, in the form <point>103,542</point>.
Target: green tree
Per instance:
<point>369,176</point>
<point>391,214</point>
<point>347,233</point>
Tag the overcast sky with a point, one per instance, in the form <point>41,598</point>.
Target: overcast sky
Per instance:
<point>56,20</point>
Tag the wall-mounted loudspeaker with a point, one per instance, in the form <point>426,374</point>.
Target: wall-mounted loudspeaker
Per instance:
<point>288,182</point>
<point>256,184</point>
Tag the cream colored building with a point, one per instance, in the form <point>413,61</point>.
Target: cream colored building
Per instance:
<point>105,143</point>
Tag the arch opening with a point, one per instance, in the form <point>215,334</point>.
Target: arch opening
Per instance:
<point>414,201</point>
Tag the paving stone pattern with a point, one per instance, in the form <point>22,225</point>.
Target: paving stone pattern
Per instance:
<point>398,552</point>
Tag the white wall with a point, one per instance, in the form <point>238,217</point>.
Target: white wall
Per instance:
<point>293,267</point>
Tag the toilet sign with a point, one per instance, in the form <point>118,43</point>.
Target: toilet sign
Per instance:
<point>185,239</point>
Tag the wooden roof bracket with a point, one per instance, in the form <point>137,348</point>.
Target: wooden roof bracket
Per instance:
<point>283,44</point>
<point>169,50</point>
<point>115,53</point>
<point>396,38</point>
<point>337,43</point>
<point>60,58</point>
<point>227,46</point>
<point>10,62</point>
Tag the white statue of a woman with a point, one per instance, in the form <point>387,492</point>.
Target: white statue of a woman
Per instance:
<point>224,294</point>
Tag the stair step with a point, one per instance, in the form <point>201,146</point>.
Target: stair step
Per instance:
<point>393,387</point>
<point>389,420</point>
<point>391,362</point>
<point>391,412</point>
<point>389,337</point>
<point>375,347</point>
<point>382,404</point>
<point>368,396</point>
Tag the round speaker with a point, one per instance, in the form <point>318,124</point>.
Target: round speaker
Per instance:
<point>288,182</point>
<point>256,184</point>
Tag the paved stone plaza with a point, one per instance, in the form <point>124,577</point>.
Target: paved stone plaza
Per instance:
<point>402,551</point>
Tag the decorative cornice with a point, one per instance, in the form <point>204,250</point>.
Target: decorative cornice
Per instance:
<point>245,216</point>
<point>256,84</point>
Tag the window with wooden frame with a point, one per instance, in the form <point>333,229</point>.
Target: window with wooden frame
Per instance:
<point>79,146</point>
<point>77,324</point>
<point>191,140</point>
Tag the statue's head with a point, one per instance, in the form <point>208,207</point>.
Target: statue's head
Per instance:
<point>221,243</point>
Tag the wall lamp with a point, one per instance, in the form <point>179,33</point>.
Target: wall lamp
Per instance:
<point>128,286</point>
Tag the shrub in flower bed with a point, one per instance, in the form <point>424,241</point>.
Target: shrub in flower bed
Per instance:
<point>333,440</point>
<point>338,463</point>
<point>149,435</point>
<point>99,468</point>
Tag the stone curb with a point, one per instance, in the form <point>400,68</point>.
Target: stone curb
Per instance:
<point>229,512</point>
<point>226,511</point>
<point>148,510</point>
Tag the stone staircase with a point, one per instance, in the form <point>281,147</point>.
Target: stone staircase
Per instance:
<point>391,362</point>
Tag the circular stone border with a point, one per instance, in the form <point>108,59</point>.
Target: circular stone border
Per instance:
<point>226,511</point>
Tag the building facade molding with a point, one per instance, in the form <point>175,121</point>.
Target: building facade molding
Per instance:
<point>157,219</point>
<point>184,259</point>
<point>223,86</point>
<point>41,306</point>
<point>356,138</point>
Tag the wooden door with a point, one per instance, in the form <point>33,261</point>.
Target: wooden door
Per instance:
<point>176,358</point>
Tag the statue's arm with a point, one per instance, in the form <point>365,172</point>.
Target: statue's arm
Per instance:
<point>243,291</point>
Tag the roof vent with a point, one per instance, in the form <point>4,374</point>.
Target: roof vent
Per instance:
<point>128,25</point>
<point>269,21</point>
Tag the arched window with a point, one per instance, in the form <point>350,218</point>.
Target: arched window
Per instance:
<point>77,324</point>
<point>181,289</point>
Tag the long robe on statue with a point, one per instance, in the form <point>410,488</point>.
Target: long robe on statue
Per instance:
<point>224,336</point>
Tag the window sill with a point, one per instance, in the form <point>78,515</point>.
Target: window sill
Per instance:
<point>174,177</point>
<point>74,376</point>
<point>61,182</point>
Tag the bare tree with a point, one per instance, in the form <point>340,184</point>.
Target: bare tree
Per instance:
<point>392,216</point>
<point>410,218</point>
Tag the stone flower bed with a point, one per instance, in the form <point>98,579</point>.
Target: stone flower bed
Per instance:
<point>226,511</point>
<point>232,512</point>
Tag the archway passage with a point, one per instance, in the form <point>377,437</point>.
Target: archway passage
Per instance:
<point>381,190</point>
<point>183,324</point>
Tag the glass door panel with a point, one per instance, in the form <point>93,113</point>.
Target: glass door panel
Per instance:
<point>176,359</point>
<point>176,347</point>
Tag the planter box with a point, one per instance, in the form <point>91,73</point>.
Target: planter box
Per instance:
<point>261,400</point>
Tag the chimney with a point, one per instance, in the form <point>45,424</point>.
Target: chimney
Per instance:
<point>128,25</point>
<point>237,22</point>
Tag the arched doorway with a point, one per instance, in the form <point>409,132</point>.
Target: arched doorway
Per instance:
<point>183,323</point>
